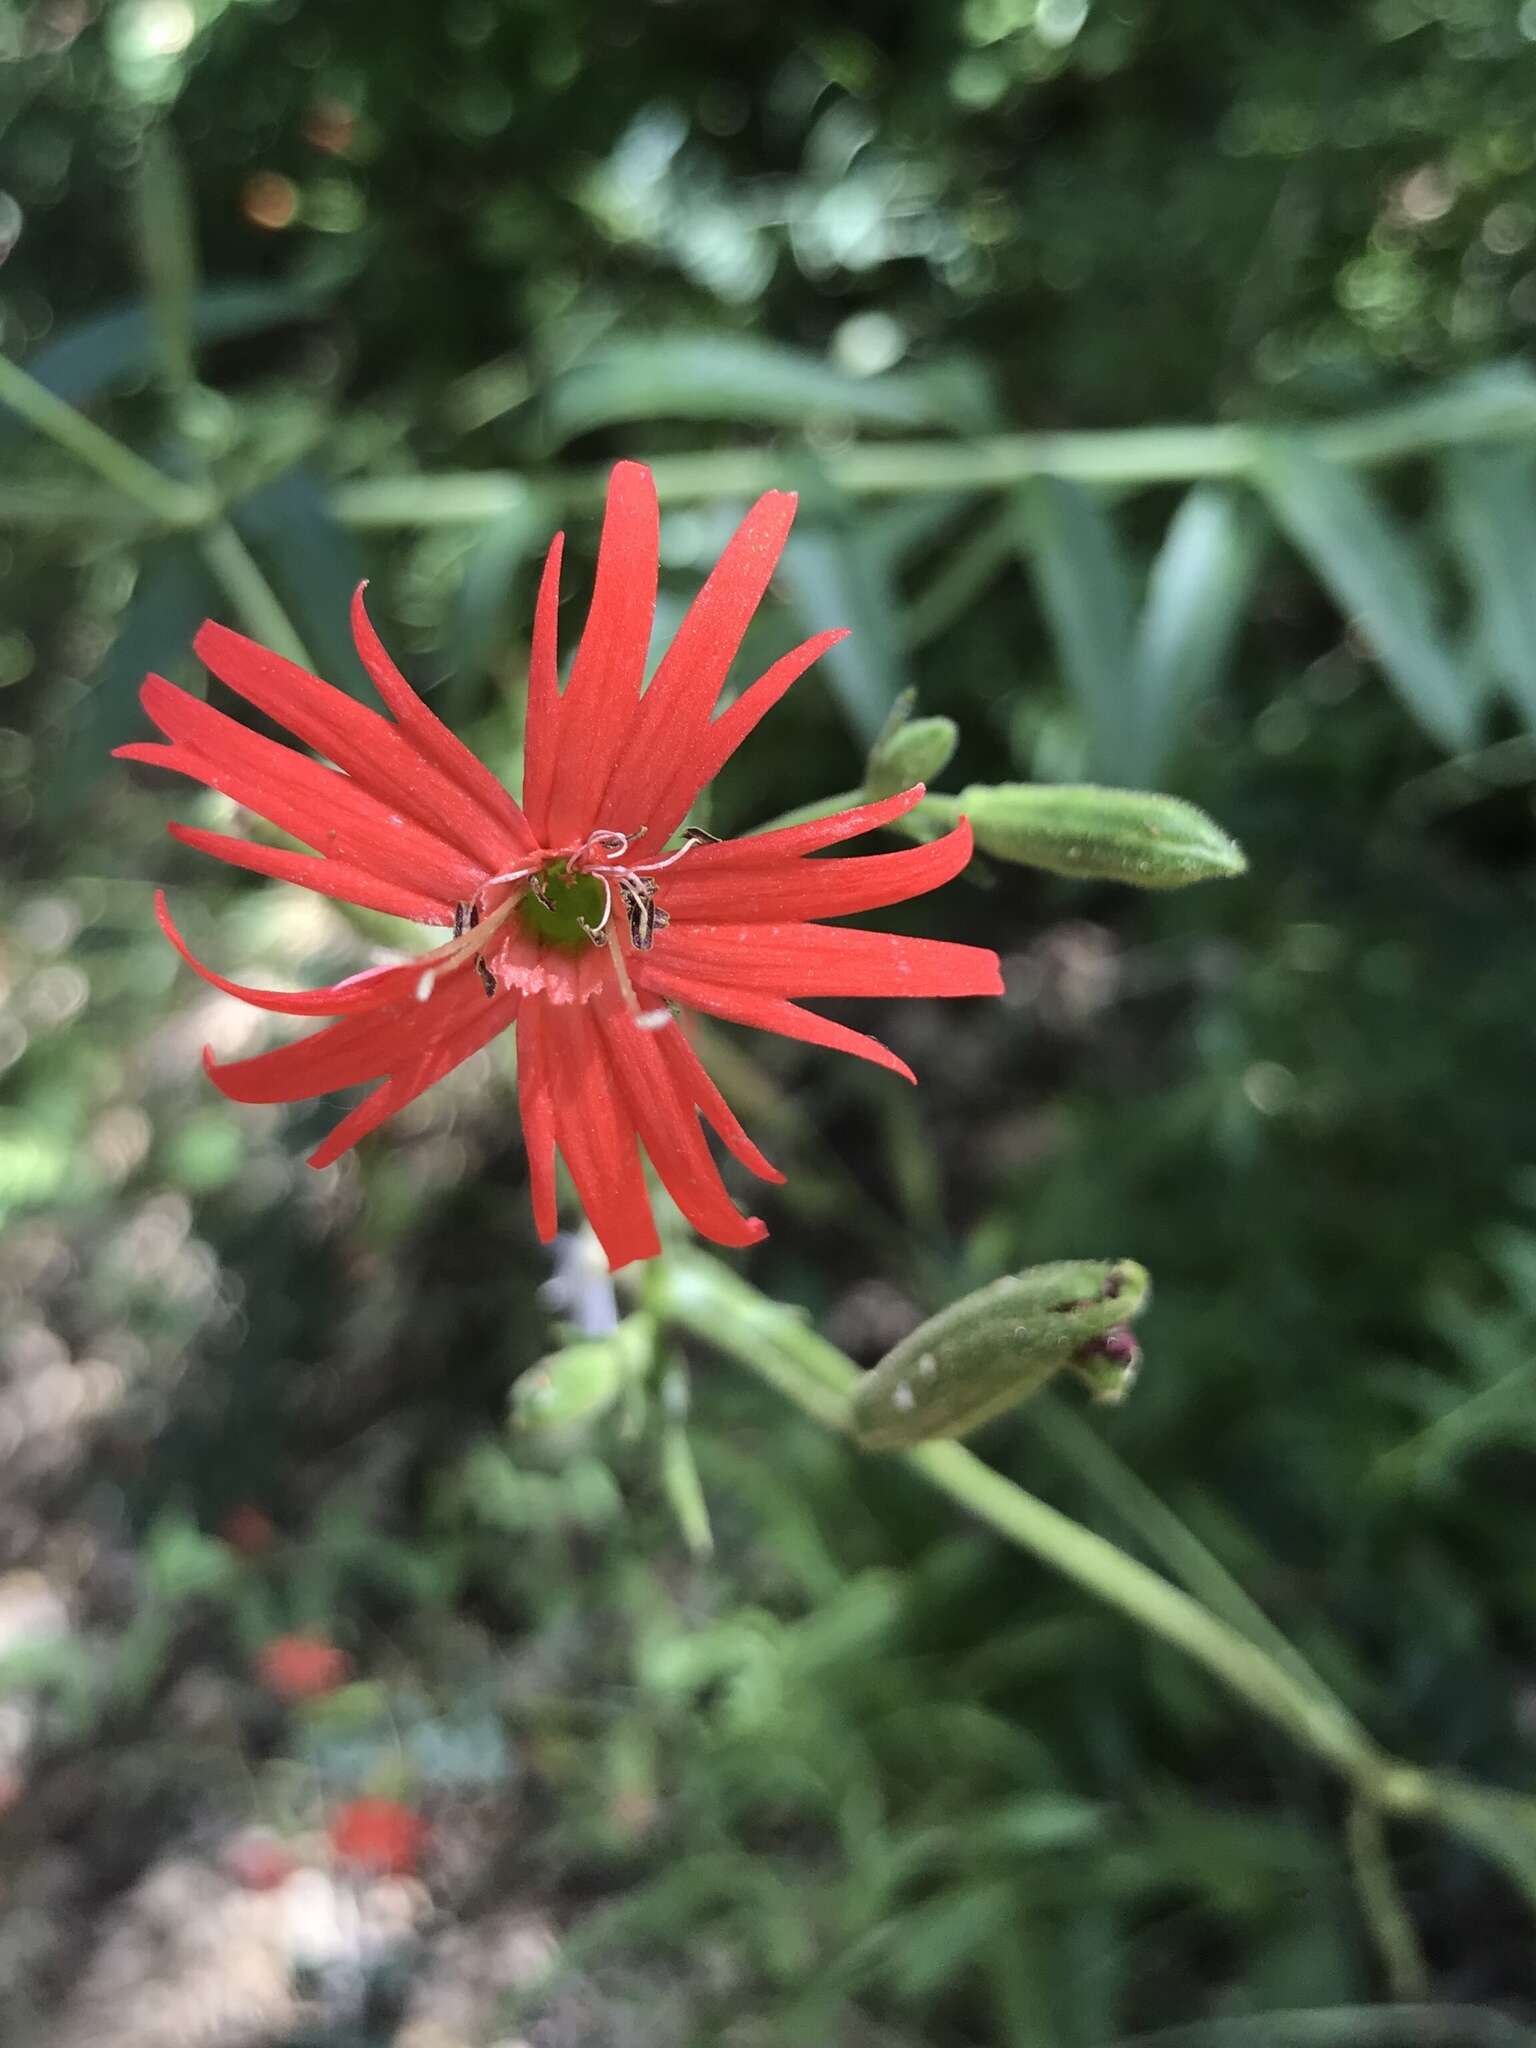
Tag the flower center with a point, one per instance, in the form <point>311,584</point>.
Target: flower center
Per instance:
<point>564,909</point>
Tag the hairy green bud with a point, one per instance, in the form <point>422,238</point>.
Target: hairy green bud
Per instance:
<point>909,750</point>
<point>1108,835</point>
<point>572,1388</point>
<point>995,1348</point>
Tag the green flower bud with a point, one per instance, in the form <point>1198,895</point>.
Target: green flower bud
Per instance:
<point>997,1347</point>
<point>1109,835</point>
<point>909,750</point>
<point>576,1386</point>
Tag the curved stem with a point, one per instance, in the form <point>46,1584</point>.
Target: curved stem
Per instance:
<point>173,503</point>
<point>1381,1901</point>
<point>774,1343</point>
<point>1499,405</point>
<point>261,610</point>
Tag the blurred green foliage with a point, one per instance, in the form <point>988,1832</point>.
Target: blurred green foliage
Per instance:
<point>789,1754</point>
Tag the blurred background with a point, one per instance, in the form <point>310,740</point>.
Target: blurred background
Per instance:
<point>382,289</point>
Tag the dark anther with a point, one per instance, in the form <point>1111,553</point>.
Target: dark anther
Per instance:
<point>641,904</point>
<point>487,979</point>
<point>461,919</point>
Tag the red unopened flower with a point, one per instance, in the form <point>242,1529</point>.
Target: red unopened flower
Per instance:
<point>572,915</point>
<point>301,1667</point>
<point>378,1835</point>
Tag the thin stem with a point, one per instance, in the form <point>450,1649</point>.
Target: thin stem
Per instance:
<point>1497,406</point>
<point>1159,1528</point>
<point>261,610</point>
<point>775,1344</point>
<point>1381,1901</point>
<point>173,503</point>
<point>58,504</point>
<point>1319,1724</point>
<point>1346,2026</point>
<point>168,258</point>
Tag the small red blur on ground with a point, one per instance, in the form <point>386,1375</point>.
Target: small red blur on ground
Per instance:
<point>378,1835</point>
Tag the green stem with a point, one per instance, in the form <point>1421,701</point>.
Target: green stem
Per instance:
<point>780,1348</point>
<point>1381,1900</point>
<point>260,609</point>
<point>1496,407</point>
<point>1346,2026</point>
<point>173,503</point>
<point>50,506</point>
<point>1201,1573</point>
<point>168,258</point>
<point>1321,1725</point>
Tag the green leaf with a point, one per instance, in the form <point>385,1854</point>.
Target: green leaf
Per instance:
<point>1373,573</point>
<point>119,346</point>
<point>834,577</point>
<point>172,597</point>
<point>488,581</point>
<point>1197,594</point>
<point>1490,502</point>
<point>1501,1824</point>
<point>711,377</point>
<point>313,565</point>
<point>1085,593</point>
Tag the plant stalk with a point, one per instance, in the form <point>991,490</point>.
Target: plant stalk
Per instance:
<point>174,504</point>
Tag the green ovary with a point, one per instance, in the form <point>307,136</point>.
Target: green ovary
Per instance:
<point>573,900</point>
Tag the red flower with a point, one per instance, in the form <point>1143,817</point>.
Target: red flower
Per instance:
<point>569,915</point>
<point>378,1835</point>
<point>301,1667</point>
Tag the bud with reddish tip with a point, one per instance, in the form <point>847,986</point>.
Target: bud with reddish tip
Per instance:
<point>993,1349</point>
<point>1108,1366</point>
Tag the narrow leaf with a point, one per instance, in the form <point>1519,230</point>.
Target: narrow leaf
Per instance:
<point>1490,502</point>
<point>172,597</point>
<point>487,582</point>
<point>1085,593</point>
<point>313,565</point>
<point>831,574</point>
<point>713,377</point>
<point>1196,597</point>
<point>86,360</point>
<point>1372,572</point>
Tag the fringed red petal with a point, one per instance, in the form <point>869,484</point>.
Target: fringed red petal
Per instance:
<point>815,888</point>
<point>674,713</point>
<point>428,734</point>
<point>596,1135</point>
<point>312,871</point>
<point>598,708</point>
<point>669,1130</point>
<point>776,1014</point>
<point>824,960</point>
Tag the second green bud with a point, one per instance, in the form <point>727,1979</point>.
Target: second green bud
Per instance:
<point>993,1349</point>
